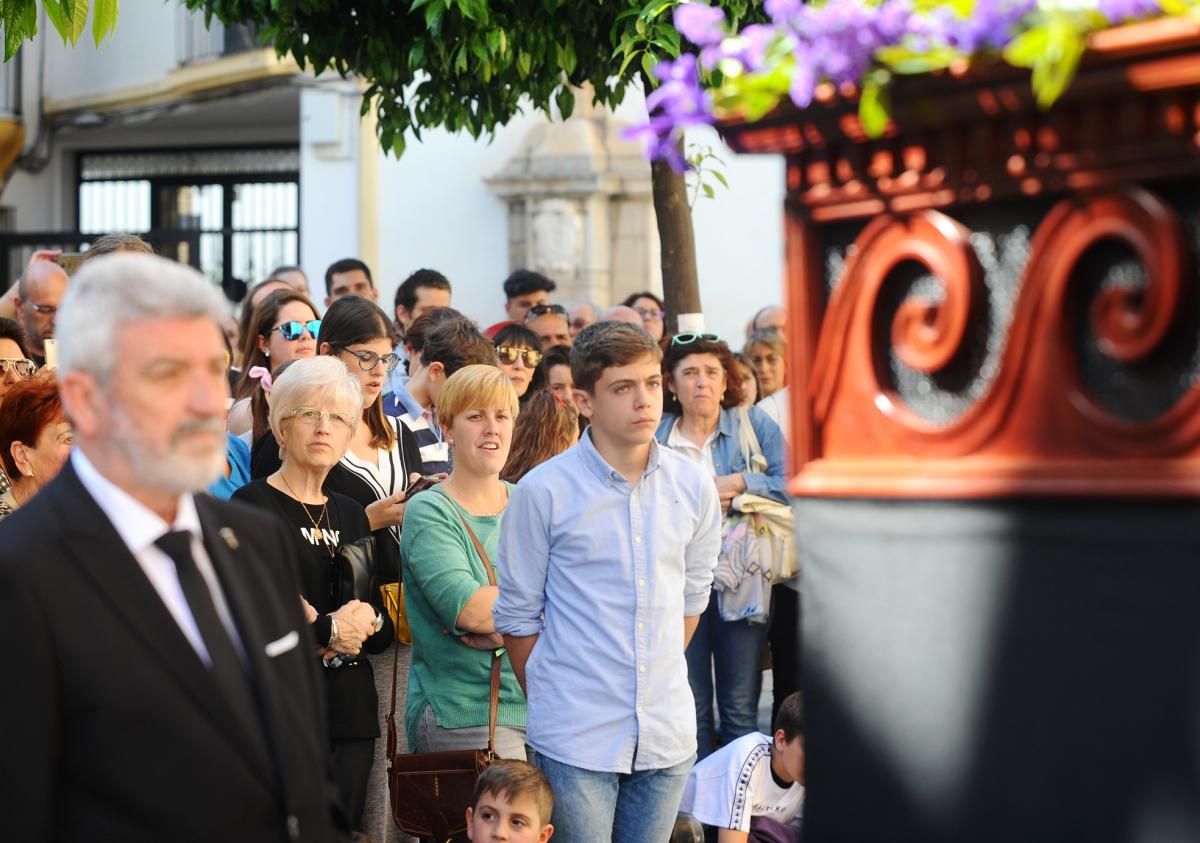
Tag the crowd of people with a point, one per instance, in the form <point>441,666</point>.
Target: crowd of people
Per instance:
<point>412,498</point>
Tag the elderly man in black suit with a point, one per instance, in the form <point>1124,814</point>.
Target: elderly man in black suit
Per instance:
<point>166,687</point>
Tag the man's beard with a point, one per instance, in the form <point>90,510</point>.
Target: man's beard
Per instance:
<point>169,470</point>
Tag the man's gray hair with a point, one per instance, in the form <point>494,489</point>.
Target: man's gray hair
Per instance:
<point>314,382</point>
<point>110,292</point>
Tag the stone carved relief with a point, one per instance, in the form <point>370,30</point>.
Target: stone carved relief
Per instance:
<point>558,242</point>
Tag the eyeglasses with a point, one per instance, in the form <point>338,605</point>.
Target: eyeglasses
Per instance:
<point>45,309</point>
<point>368,360</point>
<point>539,309</point>
<point>508,355</point>
<point>24,368</point>
<point>311,416</point>
<point>292,331</point>
<point>688,339</point>
<point>648,314</point>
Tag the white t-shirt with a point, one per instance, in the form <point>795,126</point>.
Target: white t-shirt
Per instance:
<point>735,783</point>
<point>701,455</point>
<point>777,407</point>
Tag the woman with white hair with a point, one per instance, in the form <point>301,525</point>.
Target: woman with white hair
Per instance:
<point>315,409</point>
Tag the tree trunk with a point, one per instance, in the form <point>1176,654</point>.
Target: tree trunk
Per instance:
<point>681,287</point>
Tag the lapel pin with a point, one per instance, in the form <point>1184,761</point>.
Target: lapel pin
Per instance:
<point>230,539</point>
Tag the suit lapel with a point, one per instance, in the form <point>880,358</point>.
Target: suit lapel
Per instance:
<point>101,555</point>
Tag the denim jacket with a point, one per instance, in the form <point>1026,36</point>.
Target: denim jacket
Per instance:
<point>727,451</point>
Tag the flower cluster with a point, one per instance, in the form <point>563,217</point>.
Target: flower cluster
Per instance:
<point>839,41</point>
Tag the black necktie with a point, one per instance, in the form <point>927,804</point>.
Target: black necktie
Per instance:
<point>227,671</point>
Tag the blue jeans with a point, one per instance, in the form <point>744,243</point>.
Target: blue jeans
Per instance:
<point>592,807</point>
<point>734,650</point>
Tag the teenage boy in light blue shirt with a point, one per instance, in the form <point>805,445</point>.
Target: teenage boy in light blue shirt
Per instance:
<point>604,566</point>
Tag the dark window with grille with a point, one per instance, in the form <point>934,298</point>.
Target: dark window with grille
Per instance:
<point>239,207</point>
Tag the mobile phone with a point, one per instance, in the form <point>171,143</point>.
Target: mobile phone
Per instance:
<point>420,486</point>
<point>69,261</point>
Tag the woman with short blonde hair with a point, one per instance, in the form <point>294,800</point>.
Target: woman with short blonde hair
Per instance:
<point>446,584</point>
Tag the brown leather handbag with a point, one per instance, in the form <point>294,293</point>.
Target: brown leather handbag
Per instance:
<point>431,791</point>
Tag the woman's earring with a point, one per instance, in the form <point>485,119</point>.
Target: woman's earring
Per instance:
<point>267,354</point>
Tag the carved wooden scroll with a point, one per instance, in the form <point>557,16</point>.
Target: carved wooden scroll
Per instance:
<point>1069,364</point>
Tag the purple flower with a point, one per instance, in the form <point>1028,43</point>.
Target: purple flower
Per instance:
<point>700,24</point>
<point>990,25</point>
<point>1119,11</point>
<point>680,101</point>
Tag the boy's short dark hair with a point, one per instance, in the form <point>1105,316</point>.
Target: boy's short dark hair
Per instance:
<point>512,779</point>
<point>604,345</point>
<point>426,323</point>
<point>457,343</point>
<point>345,265</point>
<point>791,716</point>
<point>523,281</point>
<point>406,293</point>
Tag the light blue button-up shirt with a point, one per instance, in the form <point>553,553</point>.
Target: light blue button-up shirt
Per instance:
<point>605,572</point>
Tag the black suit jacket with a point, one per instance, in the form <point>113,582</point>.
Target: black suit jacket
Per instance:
<point>113,727</point>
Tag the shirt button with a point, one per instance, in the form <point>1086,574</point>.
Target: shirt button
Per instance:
<point>641,582</point>
<point>641,626</point>
<point>637,539</point>
<point>641,668</point>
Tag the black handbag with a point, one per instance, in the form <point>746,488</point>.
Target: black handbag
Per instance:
<point>354,572</point>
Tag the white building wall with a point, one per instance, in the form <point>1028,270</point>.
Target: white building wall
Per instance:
<point>143,48</point>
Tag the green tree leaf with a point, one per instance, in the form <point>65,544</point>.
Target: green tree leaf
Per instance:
<point>76,13</point>
<point>565,99</point>
<point>58,17</point>
<point>20,23</point>
<point>873,107</point>
<point>104,19</point>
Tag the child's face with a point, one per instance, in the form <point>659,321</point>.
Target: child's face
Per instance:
<point>790,757</point>
<point>515,821</point>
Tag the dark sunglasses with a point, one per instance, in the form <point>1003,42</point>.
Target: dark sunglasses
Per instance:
<point>368,360</point>
<point>688,339</point>
<point>539,309</point>
<point>508,355</point>
<point>292,331</point>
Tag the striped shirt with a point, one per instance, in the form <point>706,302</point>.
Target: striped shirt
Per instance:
<point>435,453</point>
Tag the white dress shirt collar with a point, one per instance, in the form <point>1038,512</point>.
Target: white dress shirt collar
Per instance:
<point>137,525</point>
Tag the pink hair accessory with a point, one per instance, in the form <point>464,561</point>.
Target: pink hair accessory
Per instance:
<point>263,376</point>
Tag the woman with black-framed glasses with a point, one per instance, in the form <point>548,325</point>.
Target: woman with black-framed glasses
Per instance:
<point>284,328</point>
<point>383,460</point>
<point>518,352</point>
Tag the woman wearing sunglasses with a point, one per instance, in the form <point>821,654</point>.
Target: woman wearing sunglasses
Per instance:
<point>15,365</point>
<point>703,423</point>
<point>284,328</point>
<point>519,350</point>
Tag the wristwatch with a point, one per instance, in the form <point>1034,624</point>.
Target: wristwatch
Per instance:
<point>332,630</point>
<point>379,622</point>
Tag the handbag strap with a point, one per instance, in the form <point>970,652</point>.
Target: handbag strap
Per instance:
<point>494,690</point>
<point>494,693</point>
<point>747,437</point>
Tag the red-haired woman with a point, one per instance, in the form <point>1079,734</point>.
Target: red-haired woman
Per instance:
<point>35,439</point>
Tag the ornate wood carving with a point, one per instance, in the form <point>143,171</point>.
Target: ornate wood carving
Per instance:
<point>1096,184</point>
